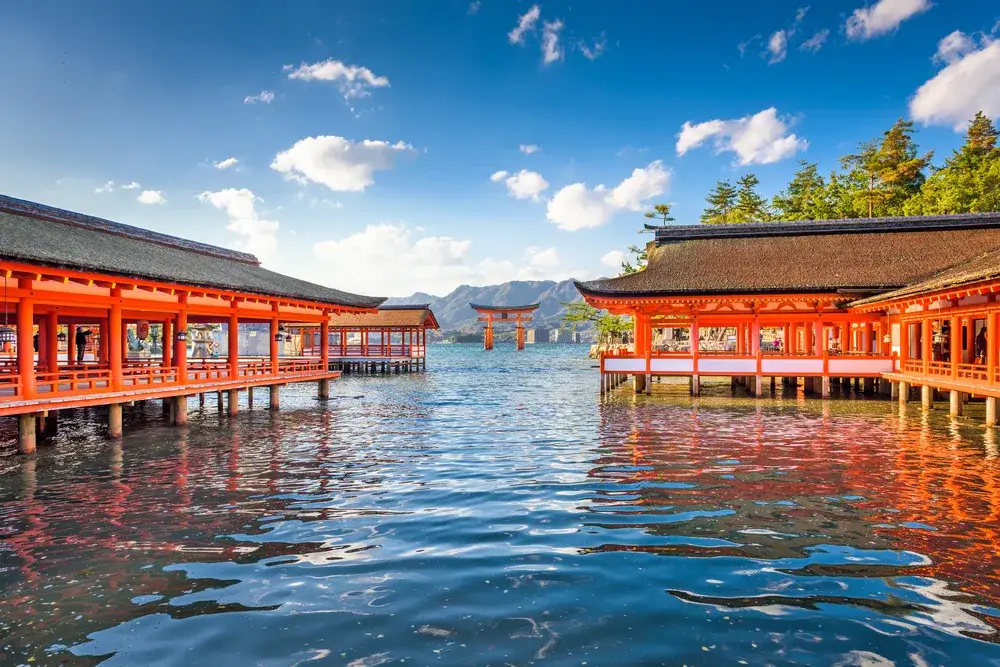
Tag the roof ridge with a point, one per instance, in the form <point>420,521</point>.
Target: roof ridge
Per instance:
<point>35,210</point>
<point>897,224</point>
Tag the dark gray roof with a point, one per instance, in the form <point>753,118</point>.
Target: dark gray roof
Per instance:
<point>862,256</point>
<point>47,236</point>
<point>528,306</point>
<point>919,223</point>
<point>983,268</point>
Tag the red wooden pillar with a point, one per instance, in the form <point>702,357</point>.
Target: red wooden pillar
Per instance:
<point>956,345</point>
<point>167,343</point>
<point>115,344</point>
<point>925,343</point>
<point>180,340</point>
<point>233,356</point>
<point>786,339</point>
<point>103,342</point>
<point>275,325</point>
<point>695,337</point>
<point>25,345</point>
<point>991,345</point>
<point>52,341</point>
<point>70,344</point>
<point>845,337</point>
<point>324,337</point>
<point>970,341</point>
<point>904,344</point>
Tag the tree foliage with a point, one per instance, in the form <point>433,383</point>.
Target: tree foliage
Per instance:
<point>611,329</point>
<point>886,176</point>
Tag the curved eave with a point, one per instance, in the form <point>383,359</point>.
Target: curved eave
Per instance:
<point>587,289</point>
<point>505,309</point>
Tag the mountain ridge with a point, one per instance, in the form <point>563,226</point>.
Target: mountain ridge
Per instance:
<point>454,314</point>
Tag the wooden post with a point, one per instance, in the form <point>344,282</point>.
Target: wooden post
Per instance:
<point>925,344</point>
<point>250,397</point>
<point>756,352</point>
<point>27,439</point>
<point>233,356</point>
<point>115,416</point>
<point>275,397</point>
<point>956,345</point>
<point>180,346</point>
<point>115,343</point>
<point>695,354</point>
<point>234,402</point>
<point>324,388</point>
<point>970,340</point>
<point>954,403</point>
<point>324,347</point>
<point>926,397</point>
<point>275,325</point>
<point>904,392</point>
<point>70,344</point>
<point>904,344</point>
<point>866,338</point>
<point>180,410</point>
<point>167,342</point>
<point>991,411</point>
<point>26,350</point>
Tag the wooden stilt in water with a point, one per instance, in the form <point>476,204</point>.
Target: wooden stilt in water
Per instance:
<point>180,410</point>
<point>991,411</point>
<point>955,403</point>
<point>903,389</point>
<point>26,437</point>
<point>275,397</point>
<point>234,402</point>
<point>250,398</point>
<point>324,388</point>
<point>115,420</point>
<point>926,397</point>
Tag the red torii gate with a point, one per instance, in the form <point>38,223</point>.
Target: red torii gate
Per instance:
<point>490,314</point>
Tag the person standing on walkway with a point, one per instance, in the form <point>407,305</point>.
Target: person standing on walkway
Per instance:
<point>81,344</point>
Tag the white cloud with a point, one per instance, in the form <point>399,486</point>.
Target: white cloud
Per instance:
<point>743,46</point>
<point>800,13</point>
<point>432,264</point>
<point>131,186</point>
<point>551,49</point>
<point>474,6</point>
<point>593,52</point>
<point>528,149</point>
<point>256,236</point>
<point>759,139</point>
<point>970,83</point>
<point>338,163</point>
<point>576,206</point>
<point>351,80</point>
<point>777,47</point>
<point>882,17</point>
<point>225,164</point>
<point>953,47</point>
<point>815,43</point>
<point>525,23</point>
<point>151,197</point>
<point>614,259</point>
<point>107,187</point>
<point>522,185</point>
<point>265,97</point>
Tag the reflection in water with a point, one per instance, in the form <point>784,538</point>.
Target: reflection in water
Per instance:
<point>495,511</point>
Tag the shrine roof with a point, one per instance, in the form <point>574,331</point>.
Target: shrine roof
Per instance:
<point>982,268</point>
<point>509,309</point>
<point>804,257</point>
<point>43,235</point>
<point>389,317</point>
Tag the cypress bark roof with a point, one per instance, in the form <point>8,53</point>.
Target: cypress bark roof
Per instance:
<point>47,236</point>
<point>865,255</point>
<point>388,317</point>
<point>982,268</point>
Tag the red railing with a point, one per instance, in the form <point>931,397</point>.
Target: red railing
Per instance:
<point>973,372</point>
<point>377,350</point>
<point>70,382</point>
<point>149,374</point>
<point>942,368</point>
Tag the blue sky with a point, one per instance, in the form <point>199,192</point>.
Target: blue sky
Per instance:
<point>378,144</point>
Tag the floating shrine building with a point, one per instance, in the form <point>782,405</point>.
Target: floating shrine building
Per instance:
<point>393,338</point>
<point>70,280</point>
<point>895,303</point>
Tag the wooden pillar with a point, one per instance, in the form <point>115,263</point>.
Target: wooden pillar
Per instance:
<point>956,345</point>
<point>991,411</point>
<point>925,343</point>
<point>954,403</point>
<point>866,338</point>
<point>102,345</point>
<point>275,397</point>
<point>695,354</point>
<point>324,345</point>
<point>845,337</point>
<point>70,344</point>
<point>26,350</point>
<point>904,392</point>
<point>793,340</point>
<point>115,420</point>
<point>167,343</point>
<point>115,344</point>
<point>991,346</point>
<point>927,397</point>
<point>970,341</point>
<point>904,344</point>
<point>324,388</point>
<point>180,410</point>
<point>755,351</point>
<point>250,397</point>
<point>275,325</point>
<point>520,334</point>
<point>180,346</point>
<point>234,402</point>
<point>233,356</point>
<point>785,341</point>
<point>27,438</point>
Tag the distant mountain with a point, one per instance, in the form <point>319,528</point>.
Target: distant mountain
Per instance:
<point>454,314</point>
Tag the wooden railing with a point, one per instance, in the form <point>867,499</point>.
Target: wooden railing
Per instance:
<point>377,350</point>
<point>975,372</point>
<point>72,382</point>
<point>941,368</point>
<point>149,374</point>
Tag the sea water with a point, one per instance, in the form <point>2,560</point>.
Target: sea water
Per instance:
<point>496,510</point>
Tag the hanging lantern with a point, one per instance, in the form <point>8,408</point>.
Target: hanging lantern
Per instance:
<point>939,338</point>
<point>182,336</point>
<point>7,335</point>
<point>61,336</point>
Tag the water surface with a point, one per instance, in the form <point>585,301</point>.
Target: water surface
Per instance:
<point>497,511</point>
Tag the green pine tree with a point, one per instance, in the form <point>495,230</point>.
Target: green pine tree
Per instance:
<point>721,201</point>
<point>750,206</point>
<point>804,198</point>
<point>882,176</point>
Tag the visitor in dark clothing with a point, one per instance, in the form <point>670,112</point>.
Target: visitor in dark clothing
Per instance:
<point>981,345</point>
<point>81,344</point>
